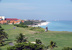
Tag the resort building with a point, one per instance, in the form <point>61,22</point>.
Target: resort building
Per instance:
<point>14,22</point>
<point>4,20</point>
<point>10,19</point>
<point>2,17</point>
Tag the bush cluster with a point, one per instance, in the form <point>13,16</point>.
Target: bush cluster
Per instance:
<point>26,46</point>
<point>19,25</point>
<point>32,28</point>
<point>67,48</point>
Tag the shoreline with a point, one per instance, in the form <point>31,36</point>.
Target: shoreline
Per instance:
<point>41,24</point>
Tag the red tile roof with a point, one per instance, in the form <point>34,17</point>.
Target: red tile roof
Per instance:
<point>3,21</point>
<point>11,19</point>
<point>14,22</point>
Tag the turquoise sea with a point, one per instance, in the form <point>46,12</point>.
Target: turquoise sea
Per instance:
<point>59,26</point>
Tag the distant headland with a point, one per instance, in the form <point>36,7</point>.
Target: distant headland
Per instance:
<point>33,23</point>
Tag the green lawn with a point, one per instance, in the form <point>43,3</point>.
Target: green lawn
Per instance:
<point>62,38</point>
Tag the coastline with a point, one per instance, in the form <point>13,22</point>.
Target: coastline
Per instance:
<point>41,24</point>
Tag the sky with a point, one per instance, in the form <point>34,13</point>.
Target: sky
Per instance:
<point>37,9</point>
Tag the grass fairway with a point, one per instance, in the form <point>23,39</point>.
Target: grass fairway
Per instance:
<point>62,38</point>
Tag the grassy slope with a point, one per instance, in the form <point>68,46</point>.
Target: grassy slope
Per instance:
<point>13,33</point>
<point>63,39</point>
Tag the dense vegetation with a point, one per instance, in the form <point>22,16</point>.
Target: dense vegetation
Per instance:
<point>35,22</point>
<point>28,22</point>
<point>3,36</point>
<point>63,39</point>
<point>67,48</point>
<point>23,44</point>
<point>21,38</point>
<point>20,25</point>
<point>26,46</point>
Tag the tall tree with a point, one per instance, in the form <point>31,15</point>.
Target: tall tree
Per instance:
<point>38,41</point>
<point>21,38</point>
<point>52,45</point>
<point>3,35</point>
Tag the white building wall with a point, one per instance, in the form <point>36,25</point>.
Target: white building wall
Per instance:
<point>3,17</point>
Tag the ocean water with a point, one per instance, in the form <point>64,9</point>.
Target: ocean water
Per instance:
<point>59,26</point>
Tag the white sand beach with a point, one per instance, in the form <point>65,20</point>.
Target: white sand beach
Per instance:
<point>41,24</point>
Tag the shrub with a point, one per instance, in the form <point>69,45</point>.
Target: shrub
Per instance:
<point>21,38</point>
<point>38,41</point>
<point>52,45</point>
<point>20,25</point>
<point>26,46</point>
<point>66,48</point>
<point>32,28</point>
<point>24,26</point>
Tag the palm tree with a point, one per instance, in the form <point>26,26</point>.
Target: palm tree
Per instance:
<point>38,41</point>
<point>3,35</point>
<point>52,45</point>
<point>21,38</point>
